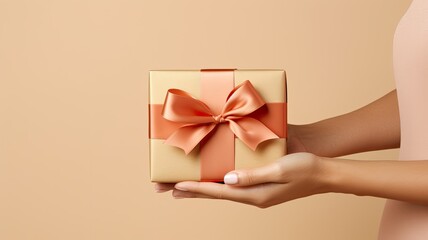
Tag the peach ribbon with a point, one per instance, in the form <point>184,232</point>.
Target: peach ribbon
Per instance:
<point>200,120</point>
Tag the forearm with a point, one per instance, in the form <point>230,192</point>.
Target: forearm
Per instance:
<point>399,180</point>
<point>373,127</point>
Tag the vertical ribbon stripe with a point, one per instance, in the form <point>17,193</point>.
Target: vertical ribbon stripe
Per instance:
<point>217,153</point>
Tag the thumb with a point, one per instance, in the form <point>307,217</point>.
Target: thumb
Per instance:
<point>248,177</point>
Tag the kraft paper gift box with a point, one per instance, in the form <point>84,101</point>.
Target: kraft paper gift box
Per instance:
<point>205,123</point>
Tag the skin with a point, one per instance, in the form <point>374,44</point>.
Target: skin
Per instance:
<point>312,167</point>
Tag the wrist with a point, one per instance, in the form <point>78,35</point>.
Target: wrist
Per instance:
<point>330,174</point>
<point>345,176</point>
<point>311,137</point>
<point>301,138</point>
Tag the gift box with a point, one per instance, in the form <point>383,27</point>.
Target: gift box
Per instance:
<point>205,123</point>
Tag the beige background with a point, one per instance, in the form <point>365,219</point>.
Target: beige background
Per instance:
<point>73,109</point>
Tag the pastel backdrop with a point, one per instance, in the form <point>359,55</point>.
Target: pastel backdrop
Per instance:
<point>73,109</point>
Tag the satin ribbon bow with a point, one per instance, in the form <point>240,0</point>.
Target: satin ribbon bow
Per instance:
<point>199,120</point>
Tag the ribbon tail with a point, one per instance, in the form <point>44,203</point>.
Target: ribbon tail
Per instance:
<point>188,136</point>
<point>251,131</point>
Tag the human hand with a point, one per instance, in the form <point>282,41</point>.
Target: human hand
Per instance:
<point>292,176</point>
<point>294,144</point>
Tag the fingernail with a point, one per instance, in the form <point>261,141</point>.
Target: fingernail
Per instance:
<point>231,178</point>
<point>177,195</point>
<point>160,190</point>
<point>180,187</point>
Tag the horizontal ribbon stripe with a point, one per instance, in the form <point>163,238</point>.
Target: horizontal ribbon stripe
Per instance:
<point>272,115</point>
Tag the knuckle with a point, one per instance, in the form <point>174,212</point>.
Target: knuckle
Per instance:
<point>277,171</point>
<point>250,177</point>
<point>262,203</point>
<point>219,193</point>
<point>262,200</point>
<point>263,206</point>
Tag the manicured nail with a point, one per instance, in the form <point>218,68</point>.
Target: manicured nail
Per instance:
<point>177,195</point>
<point>160,188</point>
<point>181,187</point>
<point>231,178</point>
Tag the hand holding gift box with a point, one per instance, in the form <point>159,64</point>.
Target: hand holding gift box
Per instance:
<point>205,128</point>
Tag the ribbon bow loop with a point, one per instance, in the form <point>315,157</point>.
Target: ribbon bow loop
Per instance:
<point>199,120</point>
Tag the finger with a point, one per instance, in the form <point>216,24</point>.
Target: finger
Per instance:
<point>249,195</point>
<point>249,177</point>
<point>177,194</point>
<point>163,187</point>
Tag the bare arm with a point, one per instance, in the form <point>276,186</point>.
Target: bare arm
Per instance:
<point>375,126</point>
<point>400,180</point>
